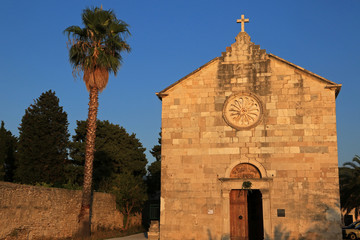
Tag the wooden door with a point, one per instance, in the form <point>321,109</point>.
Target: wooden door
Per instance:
<point>239,226</point>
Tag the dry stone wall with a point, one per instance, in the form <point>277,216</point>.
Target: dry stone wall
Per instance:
<point>50,212</point>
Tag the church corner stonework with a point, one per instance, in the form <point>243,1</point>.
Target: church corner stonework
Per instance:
<point>249,116</point>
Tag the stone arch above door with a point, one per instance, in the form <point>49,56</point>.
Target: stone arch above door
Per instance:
<point>245,170</point>
<point>247,164</point>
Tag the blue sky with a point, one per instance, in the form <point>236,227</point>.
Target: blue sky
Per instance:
<point>171,38</point>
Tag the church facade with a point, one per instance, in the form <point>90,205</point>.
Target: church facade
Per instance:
<point>249,150</point>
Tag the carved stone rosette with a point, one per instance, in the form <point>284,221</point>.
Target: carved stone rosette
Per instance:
<point>242,111</point>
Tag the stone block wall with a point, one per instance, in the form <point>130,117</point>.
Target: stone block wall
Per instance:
<point>294,145</point>
<point>51,212</point>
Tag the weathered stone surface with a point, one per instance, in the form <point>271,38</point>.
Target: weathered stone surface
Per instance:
<point>294,146</point>
<point>39,212</point>
<point>311,149</point>
<point>154,231</point>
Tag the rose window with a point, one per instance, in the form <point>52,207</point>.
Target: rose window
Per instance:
<point>242,111</point>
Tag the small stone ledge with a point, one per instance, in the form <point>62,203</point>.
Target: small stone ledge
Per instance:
<point>245,179</point>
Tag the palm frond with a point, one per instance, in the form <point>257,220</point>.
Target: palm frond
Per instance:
<point>73,30</point>
<point>353,165</point>
<point>99,44</point>
<point>349,177</point>
<point>356,159</point>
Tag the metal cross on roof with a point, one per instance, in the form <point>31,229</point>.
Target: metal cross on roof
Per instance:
<point>242,21</point>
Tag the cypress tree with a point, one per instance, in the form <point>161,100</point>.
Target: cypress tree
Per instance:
<point>43,142</point>
<point>7,154</point>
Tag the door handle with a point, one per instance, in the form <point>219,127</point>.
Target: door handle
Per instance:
<point>240,217</point>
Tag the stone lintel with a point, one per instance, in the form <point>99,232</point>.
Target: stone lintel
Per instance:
<point>245,179</point>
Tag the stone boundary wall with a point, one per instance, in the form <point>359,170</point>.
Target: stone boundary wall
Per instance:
<point>40,212</point>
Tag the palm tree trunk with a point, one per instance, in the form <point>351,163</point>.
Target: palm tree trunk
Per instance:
<point>84,216</point>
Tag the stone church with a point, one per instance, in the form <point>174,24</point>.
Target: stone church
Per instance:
<point>249,150</point>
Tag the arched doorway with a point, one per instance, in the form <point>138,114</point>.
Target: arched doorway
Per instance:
<point>246,214</point>
<point>245,170</point>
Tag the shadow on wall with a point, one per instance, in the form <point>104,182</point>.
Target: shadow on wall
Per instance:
<point>326,225</point>
<point>223,237</point>
<point>281,233</point>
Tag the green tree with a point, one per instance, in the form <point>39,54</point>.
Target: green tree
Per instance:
<point>95,51</point>
<point>117,152</point>
<point>350,185</point>
<point>156,150</point>
<point>154,177</point>
<point>8,144</point>
<point>130,193</point>
<point>43,142</point>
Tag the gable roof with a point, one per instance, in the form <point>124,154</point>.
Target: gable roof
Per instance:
<point>330,84</point>
<point>162,92</point>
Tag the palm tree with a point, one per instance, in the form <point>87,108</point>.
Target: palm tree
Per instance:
<point>95,52</point>
<point>350,186</point>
